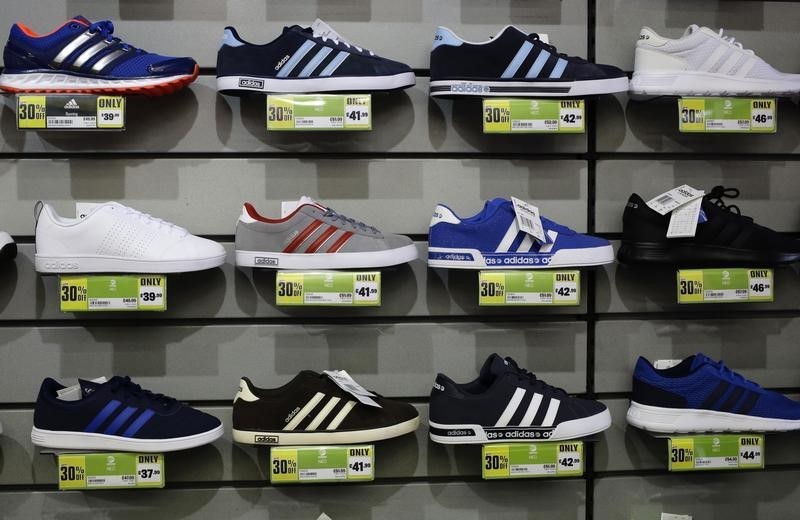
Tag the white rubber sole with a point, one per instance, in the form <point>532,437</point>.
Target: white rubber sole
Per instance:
<point>286,438</point>
<point>453,258</point>
<point>109,264</point>
<point>369,259</point>
<point>477,434</point>
<point>676,420</point>
<point>688,83</point>
<point>328,84</point>
<point>100,442</point>
<point>67,82</point>
<point>527,88</point>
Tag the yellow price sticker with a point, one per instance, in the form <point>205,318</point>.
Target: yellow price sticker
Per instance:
<point>690,286</point>
<point>280,113</point>
<point>496,115</point>
<point>289,288</point>
<point>74,294</point>
<point>496,461</point>
<point>31,112</point>
<point>283,465</point>
<point>72,472</point>
<point>681,453</point>
<point>692,114</point>
<point>492,289</point>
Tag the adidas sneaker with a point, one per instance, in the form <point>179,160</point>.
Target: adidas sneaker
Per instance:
<point>317,408</point>
<point>117,415</point>
<point>507,403</point>
<point>311,236</point>
<point>8,249</point>
<point>703,395</point>
<point>305,59</point>
<point>704,62</point>
<point>515,63</point>
<point>112,238</point>
<point>492,239</point>
<point>81,56</point>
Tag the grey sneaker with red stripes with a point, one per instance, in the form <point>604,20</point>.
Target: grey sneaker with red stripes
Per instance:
<point>309,235</point>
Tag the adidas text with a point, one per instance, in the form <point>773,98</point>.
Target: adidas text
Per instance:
<point>266,260</point>
<point>251,83</point>
<point>280,63</point>
<point>266,439</point>
<point>469,88</point>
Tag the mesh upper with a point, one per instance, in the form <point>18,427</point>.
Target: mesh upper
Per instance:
<point>137,66</point>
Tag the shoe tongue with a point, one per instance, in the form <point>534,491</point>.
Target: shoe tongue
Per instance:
<point>699,360</point>
<point>691,30</point>
<point>88,387</point>
<point>288,207</point>
<point>81,19</point>
<point>494,367</point>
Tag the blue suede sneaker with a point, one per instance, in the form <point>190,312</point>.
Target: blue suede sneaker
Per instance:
<point>85,57</point>
<point>305,59</point>
<point>117,415</point>
<point>703,395</point>
<point>492,239</point>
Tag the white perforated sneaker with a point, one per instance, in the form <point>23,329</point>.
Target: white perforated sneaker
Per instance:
<point>112,238</point>
<point>704,62</point>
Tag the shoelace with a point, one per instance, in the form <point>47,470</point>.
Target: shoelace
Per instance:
<point>530,377</point>
<point>718,192</point>
<point>727,373</point>
<point>732,41</point>
<point>353,222</point>
<point>106,28</point>
<point>551,48</point>
<point>128,388</point>
<point>151,220</point>
<point>325,36</point>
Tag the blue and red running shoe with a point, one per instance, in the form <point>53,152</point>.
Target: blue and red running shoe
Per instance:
<point>702,395</point>
<point>117,415</point>
<point>493,239</point>
<point>85,57</point>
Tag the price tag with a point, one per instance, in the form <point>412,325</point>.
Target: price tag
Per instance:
<point>70,112</point>
<point>529,288</point>
<point>674,198</point>
<point>319,112</point>
<point>335,288</point>
<point>723,451</point>
<point>716,114</point>
<point>529,460</point>
<point>725,285</point>
<point>113,293</point>
<point>505,116</point>
<point>110,471</point>
<point>299,464</point>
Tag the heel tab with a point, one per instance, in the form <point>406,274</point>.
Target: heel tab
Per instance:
<point>648,36</point>
<point>245,392</point>
<point>444,36</point>
<point>442,213</point>
<point>37,210</point>
<point>230,38</point>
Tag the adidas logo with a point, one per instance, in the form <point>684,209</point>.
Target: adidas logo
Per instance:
<point>280,63</point>
<point>251,83</point>
<point>72,105</point>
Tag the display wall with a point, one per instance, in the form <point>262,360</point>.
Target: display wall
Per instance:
<point>195,156</point>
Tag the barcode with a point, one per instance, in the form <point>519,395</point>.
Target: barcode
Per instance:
<point>523,124</point>
<point>664,199</point>
<point>61,121</point>
<point>714,294</point>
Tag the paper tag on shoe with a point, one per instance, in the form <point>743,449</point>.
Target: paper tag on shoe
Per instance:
<point>674,198</point>
<point>74,392</point>
<point>82,209</point>
<point>528,219</point>
<point>683,220</point>
<point>346,383</point>
<point>661,364</point>
<point>288,206</point>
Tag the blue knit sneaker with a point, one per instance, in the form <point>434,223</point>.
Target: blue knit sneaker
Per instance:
<point>703,395</point>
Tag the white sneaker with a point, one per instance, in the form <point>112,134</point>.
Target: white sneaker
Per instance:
<point>8,249</point>
<point>112,238</point>
<point>703,62</point>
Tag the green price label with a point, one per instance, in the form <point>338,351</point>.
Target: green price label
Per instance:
<point>110,471</point>
<point>529,288</point>
<point>511,116</point>
<point>297,464</point>
<point>319,112</point>
<point>328,288</point>
<point>724,451</point>
<point>70,112</point>
<point>725,285</point>
<point>113,293</point>
<point>716,114</point>
<point>529,460</point>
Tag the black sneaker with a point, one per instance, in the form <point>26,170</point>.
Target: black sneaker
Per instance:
<point>312,409</point>
<point>508,404</point>
<point>724,237</point>
<point>514,63</point>
<point>305,59</point>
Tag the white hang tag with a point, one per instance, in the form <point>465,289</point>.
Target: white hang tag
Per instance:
<point>528,219</point>
<point>82,209</point>
<point>544,38</point>
<point>323,29</point>
<point>683,220</point>
<point>674,198</point>
<point>74,393</point>
<point>661,364</point>
<point>346,383</point>
<point>673,516</point>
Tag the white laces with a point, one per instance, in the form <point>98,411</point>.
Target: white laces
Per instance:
<point>154,221</point>
<point>732,41</point>
<point>335,38</point>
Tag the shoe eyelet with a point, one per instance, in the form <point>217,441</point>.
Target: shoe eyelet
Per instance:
<point>74,26</point>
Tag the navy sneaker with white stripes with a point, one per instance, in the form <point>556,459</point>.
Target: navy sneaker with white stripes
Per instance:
<point>305,59</point>
<point>117,415</point>
<point>515,63</point>
<point>507,403</point>
<point>492,239</point>
<point>702,395</point>
<point>314,409</point>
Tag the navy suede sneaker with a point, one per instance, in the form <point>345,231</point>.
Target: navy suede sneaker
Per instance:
<point>117,415</point>
<point>305,59</point>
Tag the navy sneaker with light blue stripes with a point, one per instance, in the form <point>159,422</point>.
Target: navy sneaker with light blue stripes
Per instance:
<point>117,415</point>
<point>702,395</point>
<point>304,60</point>
<point>515,63</point>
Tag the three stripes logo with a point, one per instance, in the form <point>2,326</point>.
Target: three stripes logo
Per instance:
<point>304,63</point>
<point>321,412</point>
<point>113,419</point>
<point>91,50</point>
<point>534,419</point>
<point>316,237</point>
